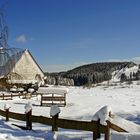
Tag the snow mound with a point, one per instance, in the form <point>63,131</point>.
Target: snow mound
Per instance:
<point>103,114</point>
<point>54,110</point>
<point>6,106</point>
<point>28,107</point>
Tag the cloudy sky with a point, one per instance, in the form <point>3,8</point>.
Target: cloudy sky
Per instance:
<point>62,34</point>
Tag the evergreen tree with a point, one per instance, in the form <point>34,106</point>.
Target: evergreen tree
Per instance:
<point>123,77</point>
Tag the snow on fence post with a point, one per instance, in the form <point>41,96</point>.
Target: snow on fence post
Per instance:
<point>41,100</point>
<point>28,113</point>
<point>6,108</point>
<point>54,113</point>
<point>102,116</point>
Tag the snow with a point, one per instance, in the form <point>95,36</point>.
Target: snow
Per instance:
<point>6,106</point>
<point>117,74</point>
<point>56,90</point>
<point>28,107</point>
<point>54,110</point>
<point>21,81</point>
<point>31,90</point>
<point>82,104</point>
<point>103,114</point>
<point>125,136</point>
<point>20,89</point>
<point>13,89</point>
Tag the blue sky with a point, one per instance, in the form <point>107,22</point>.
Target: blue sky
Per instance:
<point>62,34</point>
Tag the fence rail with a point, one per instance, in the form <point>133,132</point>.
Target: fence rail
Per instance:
<point>55,122</point>
<point>11,95</point>
<point>92,126</point>
<point>53,99</point>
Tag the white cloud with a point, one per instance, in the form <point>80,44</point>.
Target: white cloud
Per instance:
<point>21,39</point>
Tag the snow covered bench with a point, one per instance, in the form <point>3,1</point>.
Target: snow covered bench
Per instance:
<point>53,96</point>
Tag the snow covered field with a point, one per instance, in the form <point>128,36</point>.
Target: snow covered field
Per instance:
<point>82,104</point>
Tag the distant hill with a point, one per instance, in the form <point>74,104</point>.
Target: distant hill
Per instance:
<point>89,74</point>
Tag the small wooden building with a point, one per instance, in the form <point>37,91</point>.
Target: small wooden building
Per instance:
<point>52,96</point>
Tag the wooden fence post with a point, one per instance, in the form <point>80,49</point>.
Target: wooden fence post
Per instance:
<point>3,96</point>
<point>107,134</point>
<point>19,95</point>
<point>52,98</point>
<point>64,99</point>
<point>29,120</point>
<point>25,96</point>
<point>41,100</point>
<point>54,113</point>
<point>7,114</point>
<point>11,96</point>
<point>6,108</point>
<point>54,126</point>
<point>97,134</point>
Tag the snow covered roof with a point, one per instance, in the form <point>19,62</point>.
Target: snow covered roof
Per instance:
<point>21,81</point>
<point>56,90</point>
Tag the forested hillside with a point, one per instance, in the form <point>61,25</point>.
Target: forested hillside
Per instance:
<point>88,74</point>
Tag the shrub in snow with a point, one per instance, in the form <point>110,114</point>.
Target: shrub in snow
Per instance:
<point>6,106</point>
<point>28,107</point>
<point>54,110</point>
<point>102,115</point>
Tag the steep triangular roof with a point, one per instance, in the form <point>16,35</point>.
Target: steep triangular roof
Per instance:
<point>23,64</point>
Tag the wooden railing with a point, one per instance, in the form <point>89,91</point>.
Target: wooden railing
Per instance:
<point>11,95</point>
<point>93,126</point>
<point>53,99</point>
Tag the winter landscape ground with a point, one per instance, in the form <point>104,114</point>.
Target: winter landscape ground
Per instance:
<point>82,104</point>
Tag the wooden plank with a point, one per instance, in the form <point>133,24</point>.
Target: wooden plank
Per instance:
<point>80,125</point>
<point>50,104</point>
<point>12,115</point>
<point>53,98</point>
<point>116,128</point>
<point>17,116</point>
<point>42,120</point>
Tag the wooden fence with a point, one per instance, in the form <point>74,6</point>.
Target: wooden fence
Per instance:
<point>22,95</point>
<point>50,99</point>
<point>92,126</point>
<point>53,99</point>
<point>55,122</point>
